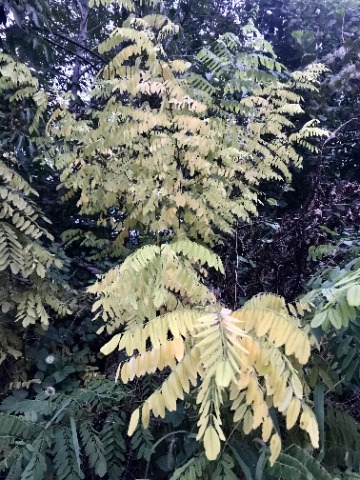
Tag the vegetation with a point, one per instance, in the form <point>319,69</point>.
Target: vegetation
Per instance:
<point>179,246</point>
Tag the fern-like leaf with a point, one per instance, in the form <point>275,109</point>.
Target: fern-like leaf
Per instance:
<point>94,449</point>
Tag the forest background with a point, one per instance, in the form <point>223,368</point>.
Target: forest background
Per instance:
<point>179,239</point>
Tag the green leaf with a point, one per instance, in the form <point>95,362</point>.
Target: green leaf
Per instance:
<point>261,464</point>
<point>244,468</point>
<point>75,441</point>
<point>319,399</point>
<point>353,296</point>
<point>319,319</point>
<point>334,318</point>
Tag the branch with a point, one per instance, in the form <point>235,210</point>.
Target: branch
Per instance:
<point>335,132</point>
<point>90,268</point>
<point>74,42</point>
<point>69,51</point>
<point>316,177</point>
<point>328,139</point>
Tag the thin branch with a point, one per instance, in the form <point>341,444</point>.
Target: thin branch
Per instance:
<point>316,180</point>
<point>84,10</point>
<point>90,268</point>
<point>335,132</point>
<point>86,70</point>
<point>88,50</point>
<point>71,52</point>
<point>74,42</point>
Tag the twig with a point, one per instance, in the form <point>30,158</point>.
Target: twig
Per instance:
<point>69,51</point>
<point>74,42</point>
<point>237,266</point>
<point>335,132</point>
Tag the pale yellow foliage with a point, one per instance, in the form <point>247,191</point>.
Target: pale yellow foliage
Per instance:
<point>162,160</point>
<point>234,351</point>
<point>177,164</point>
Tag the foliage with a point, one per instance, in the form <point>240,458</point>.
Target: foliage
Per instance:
<point>56,39</point>
<point>219,349</point>
<point>169,134</point>
<point>297,463</point>
<point>193,469</point>
<point>59,434</point>
<point>341,459</point>
<point>325,192</point>
<point>27,265</point>
<point>342,440</point>
<point>338,299</point>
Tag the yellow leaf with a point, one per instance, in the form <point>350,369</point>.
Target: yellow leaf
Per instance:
<point>111,345</point>
<point>175,384</point>
<point>300,309</point>
<point>179,348</point>
<point>292,343</point>
<point>131,368</point>
<point>240,412</point>
<point>244,379</point>
<point>211,443</point>
<point>247,316</point>
<point>145,414</point>
<point>260,412</point>
<point>292,412</point>
<point>208,319</point>
<point>303,352</point>
<point>202,423</point>
<point>233,359</point>
<point>183,377</point>
<point>224,374</point>
<point>264,323</point>
<point>292,310</point>
<point>134,420</point>
<point>252,349</point>
<point>353,296</point>
<point>280,392</point>
<point>275,448</point>
<point>160,404</point>
<point>309,423</point>
<point>297,386</point>
<point>180,199</point>
<point>276,329</point>
<point>287,399</point>
<point>124,373</point>
<point>283,335</point>
<point>251,390</point>
<point>267,428</point>
<point>218,429</point>
<point>168,396</point>
<point>248,422</point>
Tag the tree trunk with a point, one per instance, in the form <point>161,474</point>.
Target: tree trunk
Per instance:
<point>84,10</point>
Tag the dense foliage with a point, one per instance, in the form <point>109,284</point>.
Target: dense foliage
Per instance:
<point>179,269</point>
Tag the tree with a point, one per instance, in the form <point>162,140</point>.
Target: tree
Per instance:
<point>159,162</point>
<point>274,256</point>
